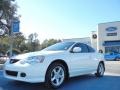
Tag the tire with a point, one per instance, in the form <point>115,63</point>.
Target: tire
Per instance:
<point>100,70</point>
<point>55,75</point>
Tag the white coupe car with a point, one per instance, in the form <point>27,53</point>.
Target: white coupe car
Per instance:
<point>54,64</point>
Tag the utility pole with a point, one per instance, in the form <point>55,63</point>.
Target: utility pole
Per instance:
<point>11,38</point>
<point>14,29</point>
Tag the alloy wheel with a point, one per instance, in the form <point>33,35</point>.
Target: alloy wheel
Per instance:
<point>57,76</point>
<point>101,69</point>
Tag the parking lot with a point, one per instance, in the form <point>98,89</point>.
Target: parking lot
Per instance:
<point>113,67</point>
<point>87,82</point>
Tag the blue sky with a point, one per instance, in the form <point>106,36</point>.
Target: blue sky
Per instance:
<point>65,18</point>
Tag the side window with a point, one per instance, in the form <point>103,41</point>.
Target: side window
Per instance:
<point>90,49</point>
<point>83,47</point>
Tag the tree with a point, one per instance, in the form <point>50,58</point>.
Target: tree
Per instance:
<point>8,11</point>
<point>49,42</point>
<point>33,42</point>
<point>4,44</point>
<point>18,39</point>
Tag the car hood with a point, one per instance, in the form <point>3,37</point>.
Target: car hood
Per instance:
<point>44,53</point>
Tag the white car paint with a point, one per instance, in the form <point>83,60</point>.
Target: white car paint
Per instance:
<point>78,64</point>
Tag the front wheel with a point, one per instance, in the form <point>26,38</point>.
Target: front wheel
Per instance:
<point>55,75</point>
<point>100,70</point>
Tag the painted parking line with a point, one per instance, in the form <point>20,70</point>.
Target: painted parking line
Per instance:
<point>112,74</point>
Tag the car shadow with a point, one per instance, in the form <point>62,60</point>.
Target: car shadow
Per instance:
<point>85,82</point>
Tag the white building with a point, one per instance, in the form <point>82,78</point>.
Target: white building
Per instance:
<point>107,37</point>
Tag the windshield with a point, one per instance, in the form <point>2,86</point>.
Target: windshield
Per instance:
<point>59,46</point>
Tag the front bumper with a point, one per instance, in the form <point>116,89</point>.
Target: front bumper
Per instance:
<point>26,72</point>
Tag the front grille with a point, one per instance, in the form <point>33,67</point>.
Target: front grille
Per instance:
<point>11,73</point>
<point>13,61</point>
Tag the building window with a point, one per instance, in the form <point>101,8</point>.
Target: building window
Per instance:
<point>115,49</point>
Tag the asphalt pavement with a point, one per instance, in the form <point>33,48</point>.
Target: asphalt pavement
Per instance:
<point>110,81</point>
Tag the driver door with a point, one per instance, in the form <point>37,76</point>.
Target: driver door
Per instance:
<point>80,61</point>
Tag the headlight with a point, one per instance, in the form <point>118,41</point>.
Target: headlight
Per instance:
<point>33,59</point>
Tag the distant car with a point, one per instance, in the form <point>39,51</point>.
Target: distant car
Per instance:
<point>112,56</point>
<point>55,64</point>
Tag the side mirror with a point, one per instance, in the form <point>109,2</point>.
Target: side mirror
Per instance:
<point>77,50</point>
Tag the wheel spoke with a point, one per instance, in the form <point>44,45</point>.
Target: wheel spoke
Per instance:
<point>59,70</point>
<point>54,70</point>
<point>101,69</point>
<point>53,78</point>
<point>61,75</point>
<point>57,81</point>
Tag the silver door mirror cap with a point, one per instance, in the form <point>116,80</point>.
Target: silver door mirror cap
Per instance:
<point>77,50</point>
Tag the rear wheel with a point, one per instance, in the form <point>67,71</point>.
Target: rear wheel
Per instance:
<point>100,70</point>
<point>55,75</point>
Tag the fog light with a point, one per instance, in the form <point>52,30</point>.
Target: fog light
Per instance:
<point>23,75</point>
